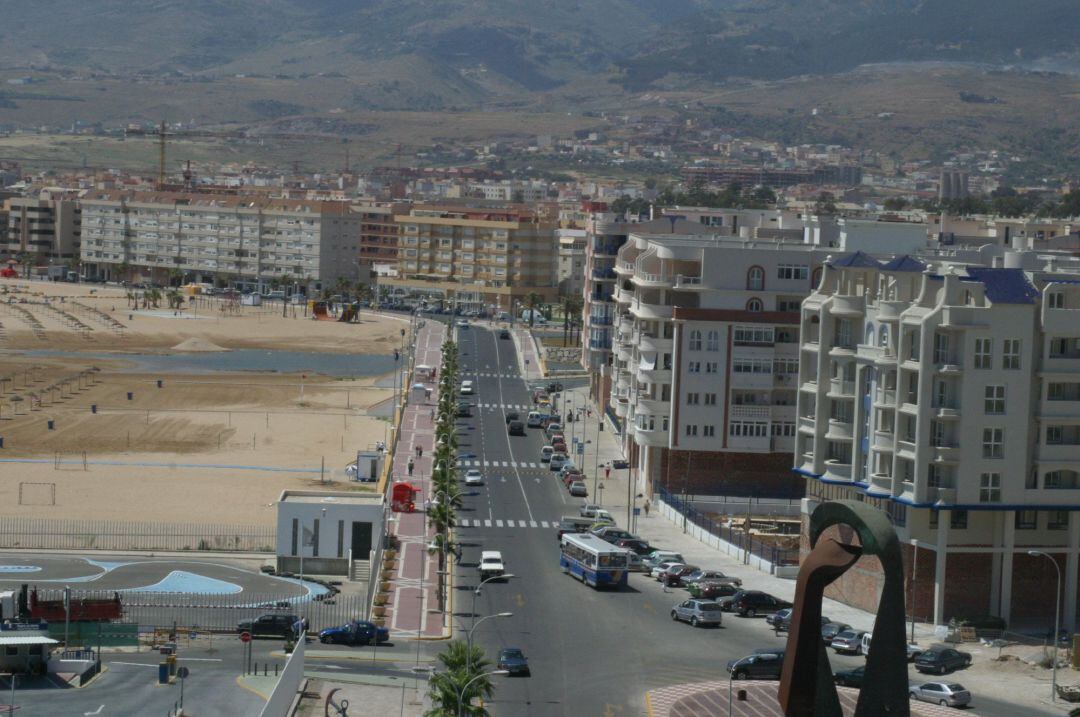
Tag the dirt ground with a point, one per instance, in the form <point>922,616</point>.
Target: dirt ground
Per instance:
<point>209,447</point>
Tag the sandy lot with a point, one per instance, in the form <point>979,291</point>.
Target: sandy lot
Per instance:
<point>209,447</point>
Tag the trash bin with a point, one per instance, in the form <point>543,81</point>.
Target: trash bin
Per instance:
<point>159,382</point>
<point>93,408</point>
<point>51,424</point>
<point>163,673</point>
<point>130,395</point>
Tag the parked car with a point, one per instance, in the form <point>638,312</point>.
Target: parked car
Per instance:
<point>850,678</point>
<point>715,575</point>
<point>637,545</point>
<point>557,460</point>
<point>556,438</point>
<point>831,630</point>
<point>849,641</point>
<point>659,556</point>
<point>512,416</point>
<point>751,603</point>
<point>559,447</point>
<point>634,563</point>
<point>272,625</point>
<point>464,409</point>
<point>534,419</point>
<point>354,632</point>
<point>760,665</point>
<point>554,387</point>
<point>513,660</point>
<point>569,467</point>
<point>660,567</point>
<point>474,477</point>
<point>781,620</point>
<point>946,694</point>
<point>578,489</point>
<point>466,388</point>
<point>619,464</point>
<point>712,591</point>
<point>588,510</point>
<point>941,659</point>
<point>553,429</point>
<point>572,475</point>
<point>610,533</point>
<point>504,334</point>
<point>573,525</point>
<point>545,454</point>
<point>674,578</point>
<point>515,428</point>
<point>698,612</point>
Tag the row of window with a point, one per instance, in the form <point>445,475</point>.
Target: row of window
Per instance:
<point>713,340</point>
<point>693,399</point>
<point>984,354</point>
<point>1025,519</point>
<point>746,429</point>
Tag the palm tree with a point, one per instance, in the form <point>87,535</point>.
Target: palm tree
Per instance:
<point>533,300</point>
<point>572,306</point>
<point>27,262</point>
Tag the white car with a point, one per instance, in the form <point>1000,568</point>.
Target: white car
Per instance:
<point>491,564</point>
<point>473,477</point>
<point>662,567</point>
<point>466,388</point>
<point>463,324</point>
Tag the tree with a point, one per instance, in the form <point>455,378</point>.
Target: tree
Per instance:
<point>176,275</point>
<point>533,300</point>
<point>572,306</point>
<point>451,690</point>
<point>27,262</point>
<point>124,270</point>
<point>895,204</point>
<point>825,204</point>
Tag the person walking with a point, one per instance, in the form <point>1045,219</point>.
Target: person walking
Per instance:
<point>410,466</point>
<point>647,506</point>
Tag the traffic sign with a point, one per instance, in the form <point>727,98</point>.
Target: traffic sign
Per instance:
<point>182,672</point>
<point>245,637</point>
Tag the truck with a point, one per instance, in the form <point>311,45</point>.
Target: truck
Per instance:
<point>79,609</point>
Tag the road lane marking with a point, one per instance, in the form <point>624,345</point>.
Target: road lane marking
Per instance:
<point>498,524</point>
<point>95,712</point>
<point>509,445</point>
<point>544,524</point>
<point>532,523</point>
<point>133,664</point>
<point>523,524</point>
<point>487,523</point>
<point>485,464</point>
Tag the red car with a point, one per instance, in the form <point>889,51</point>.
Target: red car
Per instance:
<point>571,476</point>
<point>674,578</point>
<point>560,447</point>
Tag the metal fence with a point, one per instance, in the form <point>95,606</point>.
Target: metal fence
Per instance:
<point>220,613</point>
<point>738,538</point>
<point>52,534</point>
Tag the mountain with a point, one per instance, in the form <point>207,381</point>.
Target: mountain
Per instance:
<point>495,47</point>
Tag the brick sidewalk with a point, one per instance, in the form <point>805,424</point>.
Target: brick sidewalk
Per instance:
<point>413,609</point>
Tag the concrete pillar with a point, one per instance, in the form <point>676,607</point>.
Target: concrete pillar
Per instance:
<point>995,568</point>
<point>1069,615</point>
<point>940,557</point>
<point>1007,545</point>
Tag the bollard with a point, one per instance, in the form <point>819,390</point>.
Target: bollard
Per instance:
<point>130,395</point>
<point>93,408</point>
<point>51,423</point>
<point>1,441</point>
<point>163,673</point>
<point>741,695</point>
<point>159,382</point>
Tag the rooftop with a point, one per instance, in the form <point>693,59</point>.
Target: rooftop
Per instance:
<point>330,497</point>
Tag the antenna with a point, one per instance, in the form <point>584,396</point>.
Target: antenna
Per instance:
<point>161,155</point>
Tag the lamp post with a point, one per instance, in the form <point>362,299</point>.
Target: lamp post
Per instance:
<point>1057,621</point>
<point>468,640</point>
<point>477,592</point>
<point>461,695</point>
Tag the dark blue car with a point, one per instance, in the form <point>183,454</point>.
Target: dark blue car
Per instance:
<point>513,660</point>
<point>356,632</point>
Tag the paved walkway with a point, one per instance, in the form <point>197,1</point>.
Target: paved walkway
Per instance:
<point>527,355</point>
<point>413,609</point>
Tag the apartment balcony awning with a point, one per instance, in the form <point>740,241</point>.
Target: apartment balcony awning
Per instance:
<point>648,361</point>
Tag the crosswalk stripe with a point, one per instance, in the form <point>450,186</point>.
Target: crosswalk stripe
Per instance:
<point>485,464</point>
<point>487,523</point>
<point>498,524</point>
<point>532,464</point>
<point>532,523</point>
<point>521,523</point>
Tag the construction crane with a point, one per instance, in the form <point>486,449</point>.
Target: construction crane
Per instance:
<point>162,133</point>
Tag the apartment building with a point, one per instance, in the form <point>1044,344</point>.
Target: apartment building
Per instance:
<point>485,259</point>
<point>47,226</point>
<point>948,395</point>
<point>706,355</point>
<point>248,240</point>
<point>378,234</point>
<point>570,266</point>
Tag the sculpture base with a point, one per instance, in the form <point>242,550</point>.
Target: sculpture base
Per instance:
<point>710,699</point>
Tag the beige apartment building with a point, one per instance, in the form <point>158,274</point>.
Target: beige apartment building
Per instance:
<point>484,259</point>
<point>247,240</point>
<point>47,226</point>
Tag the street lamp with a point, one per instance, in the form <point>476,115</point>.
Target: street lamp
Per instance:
<point>461,695</point>
<point>468,641</point>
<point>1057,621</point>
<point>477,592</point>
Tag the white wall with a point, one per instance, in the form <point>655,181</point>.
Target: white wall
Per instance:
<point>281,699</point>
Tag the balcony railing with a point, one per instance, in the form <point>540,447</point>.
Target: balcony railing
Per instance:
<point>682,281</point>
<point>603,273</point>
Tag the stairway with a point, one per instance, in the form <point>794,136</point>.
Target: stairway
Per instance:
<point>360,571</point>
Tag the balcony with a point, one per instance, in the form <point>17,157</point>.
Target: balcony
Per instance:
<point>905,449</point>
<point>835,470</point>
<point>841,389</point>
<point>652,407</point>
<point>847,306</point>
<point>883,441</point>
<point>806,425</point>
<point>688,282</point>
<point>890,310</point>
<point>650,437</point>
<point>621,406</point>
<point>643,310</point>
<point>624,267</point>
<point>751,380</point>
<point>651,280</point>
<point>945,452</point>
<point>880,484</point>
<point>949,365</point>
<point>1057,453</point>
<point>947,413</point>
<point>749,412</point>
<point>885,398</point>
<point>649,342</point>
<point>603,274</point>
<point>785,380</point>
<point>839,430</point>
<point>842,350</point>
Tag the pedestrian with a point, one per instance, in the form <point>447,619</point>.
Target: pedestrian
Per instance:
<point>410,466</point>
<point>647,506</point>
<point>432,415</point>
<point>457,555</point>
<point>664,582</point>
<point>419,451</point>
<point>427,505</point>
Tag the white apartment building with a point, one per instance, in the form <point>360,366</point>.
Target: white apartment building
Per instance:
<point>570,261</point>
<point>250,239</point>
<point>949,396</point>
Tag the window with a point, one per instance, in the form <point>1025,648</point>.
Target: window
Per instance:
<point>692,399</point>
<point>1026,519</point>
<point>755,305</point>
<point>1057,520</point>
<point>958,521</point>
<point>751,335</point>
<point>994,400</point>
<point>748,429</point>
<point>693,367</point>
<point>1055,300</point>
<point>793,305</point>
<point>755,279</point>
<point>708,431</point>
<point>711,367</point>
<point>993,443</point>
<point>783,429</point>
<point>691,429</point>
<point>1010,355</point>
<point>713,341</point>
<point>1064,478</point>
<point>1055,435</point>
<point>792,271</point>
<point>695,340</point>
<point>749,365</point>
<point>710,399</point>
<point>990,488</point>
<point>983,351</point>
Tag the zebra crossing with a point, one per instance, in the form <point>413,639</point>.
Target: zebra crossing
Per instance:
<point>464,463</point>
<point>490,374</point>
<point>508,406</point>
<point>506,523</point>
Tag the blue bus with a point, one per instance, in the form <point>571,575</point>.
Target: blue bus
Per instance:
<point>593,561</point>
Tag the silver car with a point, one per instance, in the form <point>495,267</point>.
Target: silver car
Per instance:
<point>848,641</point>
<point>698,612</point>
<point>946,694</point>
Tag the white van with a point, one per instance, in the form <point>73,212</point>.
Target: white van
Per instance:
<point>466,388</point>
<point>535,420</point>
<point>545,454</point>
